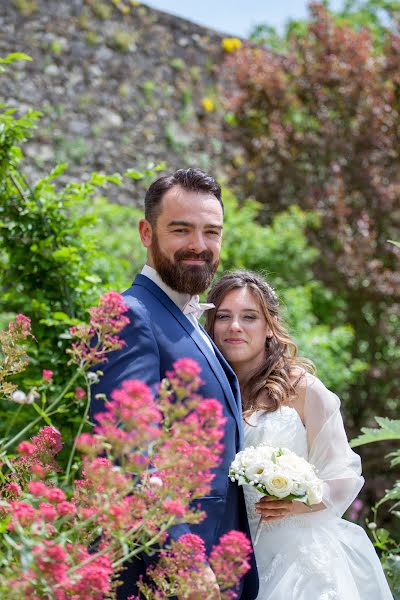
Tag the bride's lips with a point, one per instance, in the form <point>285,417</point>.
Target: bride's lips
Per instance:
<point>234,341</point>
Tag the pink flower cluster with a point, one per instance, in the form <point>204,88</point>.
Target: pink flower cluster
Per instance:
<point>37,456</point>
<point>181,569</point>
<point>145,463</point>
<point>99,337</point>
<point>13,358</point>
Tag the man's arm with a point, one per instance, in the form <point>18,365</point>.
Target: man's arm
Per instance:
<point>137,359</point>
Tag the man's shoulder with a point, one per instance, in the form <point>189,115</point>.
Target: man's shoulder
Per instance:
<point>143,297</point>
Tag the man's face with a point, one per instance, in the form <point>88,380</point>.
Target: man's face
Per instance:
<point>186,240</point>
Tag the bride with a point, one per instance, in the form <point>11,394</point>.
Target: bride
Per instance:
<point>302,553</point>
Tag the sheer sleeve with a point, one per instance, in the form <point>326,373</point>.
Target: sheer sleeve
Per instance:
<point>337,465</point>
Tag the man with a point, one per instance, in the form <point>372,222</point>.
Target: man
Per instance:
<point>182,231</point>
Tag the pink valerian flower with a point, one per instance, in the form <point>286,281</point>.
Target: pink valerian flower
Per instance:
<point>100,336</point>
<point>55,495</point>
<point>131,419</point>
<point>48,441</point>
<point>80,393</point>
<point>66,508</point>
<point>13,357</point>
<point>47,375</point>
<point>38,454</point>
<point>51,561</point>
<point>47,511</point>
<point>21,326</point>
<point>37,488</point>
<point>174,507</point>
<point>93,580</point>
<point>21,513</point>
<point>26,449</point>
<point>179,569</point>
<point>11,490</point>
<point>230,559</point>
<point>185,376</point>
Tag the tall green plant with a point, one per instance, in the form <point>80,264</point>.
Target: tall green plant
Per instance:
<point>387,542</point>
<point>318,124</point>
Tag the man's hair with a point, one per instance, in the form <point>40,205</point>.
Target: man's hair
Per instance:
<point>193,180</point>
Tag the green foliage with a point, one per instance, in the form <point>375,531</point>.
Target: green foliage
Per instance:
<point>283,253</point>
<point>318,124</point>
<point>281,248</point>
<point>120,255</point>
<point>389,429</point>
<point>53,267</point>
<point>378,16</point>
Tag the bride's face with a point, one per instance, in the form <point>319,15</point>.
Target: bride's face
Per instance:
<point>241,329</point>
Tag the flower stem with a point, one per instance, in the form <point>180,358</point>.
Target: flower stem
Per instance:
<point>38,419</point>
<point>81,425</point>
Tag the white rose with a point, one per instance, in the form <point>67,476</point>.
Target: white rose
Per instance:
<point>254,472</point>
<point>314,492</point>
<point>278,484</point>
<point>299,488</point>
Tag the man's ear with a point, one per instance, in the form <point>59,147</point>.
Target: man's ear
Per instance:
<point>145,232</point>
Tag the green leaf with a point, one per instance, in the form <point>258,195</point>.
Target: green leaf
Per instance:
<point>389,430</point>
<point>14,57</point>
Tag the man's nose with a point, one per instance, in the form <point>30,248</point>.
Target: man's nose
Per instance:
<point>197,242</point>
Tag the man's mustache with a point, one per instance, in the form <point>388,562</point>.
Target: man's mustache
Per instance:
<point>185,255</point>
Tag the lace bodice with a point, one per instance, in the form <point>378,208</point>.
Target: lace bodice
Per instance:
<point>282,428</point>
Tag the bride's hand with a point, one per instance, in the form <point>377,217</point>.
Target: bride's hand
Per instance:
<point>271,509</point>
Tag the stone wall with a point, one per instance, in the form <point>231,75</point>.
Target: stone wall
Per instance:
<point>116,90</point>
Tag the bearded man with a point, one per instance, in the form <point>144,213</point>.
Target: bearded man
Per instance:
<point>182,231</point>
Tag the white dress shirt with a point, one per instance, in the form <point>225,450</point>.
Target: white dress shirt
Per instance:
<point>181,300</point>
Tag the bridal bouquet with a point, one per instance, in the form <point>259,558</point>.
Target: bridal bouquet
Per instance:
<point>277,472</point>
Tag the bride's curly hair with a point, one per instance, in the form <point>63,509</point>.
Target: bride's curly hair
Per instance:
<point>274,383</point>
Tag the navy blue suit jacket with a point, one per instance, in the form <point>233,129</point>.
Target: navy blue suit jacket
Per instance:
<point>157,335</point>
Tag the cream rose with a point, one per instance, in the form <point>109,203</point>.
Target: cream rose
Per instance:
<point>278,484</point>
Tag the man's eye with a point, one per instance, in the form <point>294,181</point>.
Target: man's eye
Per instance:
<point>212,232</point>
<point>180,230</point>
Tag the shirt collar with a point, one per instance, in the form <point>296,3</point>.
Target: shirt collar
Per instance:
<point>181,300</point>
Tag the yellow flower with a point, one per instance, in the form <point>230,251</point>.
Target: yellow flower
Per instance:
<point>231,44</point>
<point>208,104</point>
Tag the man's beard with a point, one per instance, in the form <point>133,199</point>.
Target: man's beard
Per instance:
<point>186,279</point>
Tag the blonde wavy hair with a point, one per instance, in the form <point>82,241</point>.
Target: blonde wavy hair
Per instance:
<point>274,383</point>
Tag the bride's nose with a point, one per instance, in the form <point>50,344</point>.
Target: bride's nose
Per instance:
<point>235,324</point>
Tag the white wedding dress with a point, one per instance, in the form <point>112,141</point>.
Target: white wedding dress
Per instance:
<point>314,556</point>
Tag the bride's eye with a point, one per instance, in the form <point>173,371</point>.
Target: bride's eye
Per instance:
<point>221,317</point>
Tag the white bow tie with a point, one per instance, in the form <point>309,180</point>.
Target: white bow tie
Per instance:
<point>196,308</point>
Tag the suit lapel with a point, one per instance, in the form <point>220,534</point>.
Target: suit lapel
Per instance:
<point>217,363</point>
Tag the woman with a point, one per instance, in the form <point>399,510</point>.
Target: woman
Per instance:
<point>302,553</point>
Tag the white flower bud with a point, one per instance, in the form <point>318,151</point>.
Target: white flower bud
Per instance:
<point>92,377</point>
<point>32,396</point>
<point>155,481</point>
<point>19,396</point>
<point>372,525</point>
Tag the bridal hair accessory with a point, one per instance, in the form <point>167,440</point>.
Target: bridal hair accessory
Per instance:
<point>196,308</point>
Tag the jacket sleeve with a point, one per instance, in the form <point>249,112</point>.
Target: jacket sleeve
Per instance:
<point>138,359</point>
<point>336,463</point>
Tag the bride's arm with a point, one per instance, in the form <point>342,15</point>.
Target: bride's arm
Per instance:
<point>337,465</point>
